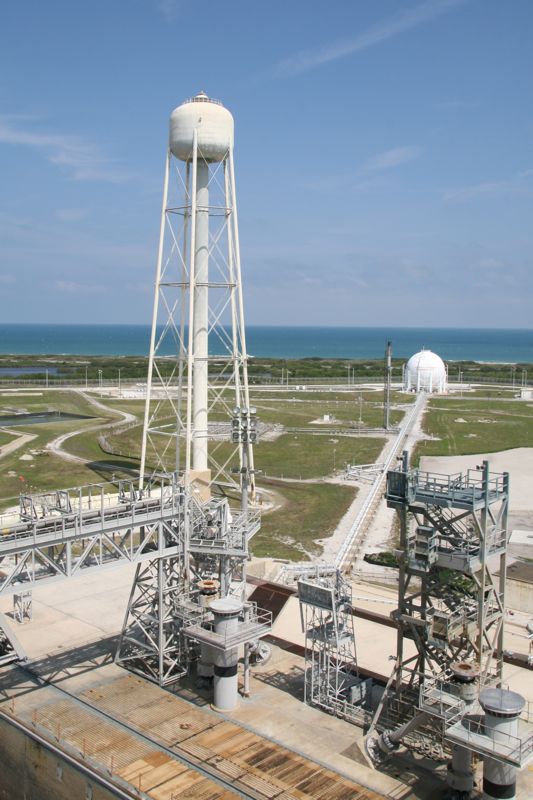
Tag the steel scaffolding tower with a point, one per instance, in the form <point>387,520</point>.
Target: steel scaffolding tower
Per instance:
<point>451,594</point>
<point>331,675</point>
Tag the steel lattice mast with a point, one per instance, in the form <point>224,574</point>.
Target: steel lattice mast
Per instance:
<point>198,359</point>
<point>198,423</point>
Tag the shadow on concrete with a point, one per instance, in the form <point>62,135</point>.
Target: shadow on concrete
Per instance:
<point>57,667</point>
<point>290,681</point>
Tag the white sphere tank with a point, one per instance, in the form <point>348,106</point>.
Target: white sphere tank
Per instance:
<point>425,371</point>
<point>214,126</point>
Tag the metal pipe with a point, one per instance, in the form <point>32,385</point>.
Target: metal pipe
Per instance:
<point>247,646</point>
<point>192,295</point>
<point>380,747</point>
<point>200,321</point>
<point>244,354</point>
<point>226,613</point>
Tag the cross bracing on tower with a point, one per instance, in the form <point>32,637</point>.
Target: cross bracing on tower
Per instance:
<point>198,357</point>
<point>451,596</point>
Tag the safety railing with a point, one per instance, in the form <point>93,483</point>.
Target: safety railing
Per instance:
<point>459,486</point>
<point>252,623</point>
<point>500,745</point>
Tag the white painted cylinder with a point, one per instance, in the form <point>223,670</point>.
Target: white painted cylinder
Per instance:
<point>213,124</point>
<point>200,323</point>
<point>460,777</point>
<point>208,590</point>
<point>502,710</point>
<point>226,617</point>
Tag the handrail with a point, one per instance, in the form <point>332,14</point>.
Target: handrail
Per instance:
<point>400,439</point>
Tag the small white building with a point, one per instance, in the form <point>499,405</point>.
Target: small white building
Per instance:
<point>425,372</point>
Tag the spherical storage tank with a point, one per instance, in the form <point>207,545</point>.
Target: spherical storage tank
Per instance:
<point>214,126</point>
<point>425,372</point>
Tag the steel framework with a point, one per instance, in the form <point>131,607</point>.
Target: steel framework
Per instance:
<point>170,523</point>
<point>198,370</point>
<point>331,676</point>
<point>62,534</point>
<point>453,538</point>
<point>198,363</point>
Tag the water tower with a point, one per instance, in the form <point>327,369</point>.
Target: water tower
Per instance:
<point>197,421</point>
<point>198,359</point>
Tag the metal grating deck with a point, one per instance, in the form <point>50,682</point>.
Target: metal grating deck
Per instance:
<point>159,744</point>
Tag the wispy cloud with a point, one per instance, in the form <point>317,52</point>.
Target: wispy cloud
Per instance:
<point>169,8</point>
<point>369,175</point>
<point>72,287</point>
<point>82,159</point>
<point>405,20</point>
<point>391,158</point>
<point>517,184</point>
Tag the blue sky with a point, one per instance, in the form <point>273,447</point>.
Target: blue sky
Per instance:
<point>383,157</point>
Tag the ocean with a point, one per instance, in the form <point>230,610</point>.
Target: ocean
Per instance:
<point>452,344</point>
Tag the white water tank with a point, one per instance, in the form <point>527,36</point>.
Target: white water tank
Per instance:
<point>214,126</point>
<point>425,372</point>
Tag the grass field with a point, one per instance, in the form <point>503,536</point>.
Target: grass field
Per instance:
<point>468,426</point>
<point>489,392</point>
<point>311,511</point>
<point>45,470</point>
<point>6,438</point>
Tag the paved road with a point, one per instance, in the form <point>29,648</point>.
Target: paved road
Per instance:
<point>19,440</point>
<point>56,445</point>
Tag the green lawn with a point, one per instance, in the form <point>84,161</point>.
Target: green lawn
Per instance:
<point>489,392</point>
<point>467,426</point>
<point>6,438</point>
<point>307,456</point>
<point>312,511</point>
<point>44,470</point>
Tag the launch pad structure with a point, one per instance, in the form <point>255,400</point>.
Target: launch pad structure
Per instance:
<point>451,607</point>
<point>175,522</point>
<point>187,521</point>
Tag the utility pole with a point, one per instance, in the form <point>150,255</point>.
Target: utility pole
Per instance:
<point>388,379</point>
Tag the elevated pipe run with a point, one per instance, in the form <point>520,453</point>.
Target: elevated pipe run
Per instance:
<point>382,746</point>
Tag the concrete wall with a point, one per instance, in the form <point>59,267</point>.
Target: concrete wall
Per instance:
<point>519,595</point>
<point>28,771</point>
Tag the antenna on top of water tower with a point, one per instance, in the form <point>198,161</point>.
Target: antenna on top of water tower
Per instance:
<point>198,358</point>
